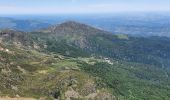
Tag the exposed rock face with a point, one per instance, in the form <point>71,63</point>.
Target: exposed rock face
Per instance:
<point>71,94</point>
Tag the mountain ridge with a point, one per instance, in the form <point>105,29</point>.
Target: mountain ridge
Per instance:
<point>74,26</point>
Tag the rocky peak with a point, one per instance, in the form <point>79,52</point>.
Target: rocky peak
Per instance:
<point>72,27</point>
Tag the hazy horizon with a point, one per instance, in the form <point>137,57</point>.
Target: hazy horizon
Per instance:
<point>81,6</point>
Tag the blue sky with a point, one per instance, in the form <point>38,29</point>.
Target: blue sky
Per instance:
<point>81,6</point>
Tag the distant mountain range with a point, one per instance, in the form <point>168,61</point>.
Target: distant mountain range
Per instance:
<point>72,60</point>
<point>131,24</point>
<point>22,25</point>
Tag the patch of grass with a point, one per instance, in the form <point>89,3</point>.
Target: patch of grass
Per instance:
<point>122,36</point>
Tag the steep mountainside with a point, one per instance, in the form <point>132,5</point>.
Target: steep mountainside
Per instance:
<point>151,50</point>
<point>75,61</point>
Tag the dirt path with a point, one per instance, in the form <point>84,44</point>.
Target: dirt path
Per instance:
<point>19,98</point>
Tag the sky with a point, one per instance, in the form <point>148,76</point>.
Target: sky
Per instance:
<point>81,6</point>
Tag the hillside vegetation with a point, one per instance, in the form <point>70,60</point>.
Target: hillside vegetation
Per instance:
<point>73,61</point>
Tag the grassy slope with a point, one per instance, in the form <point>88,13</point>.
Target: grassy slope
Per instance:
<point>41,75</point>
<point>49,76</point>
